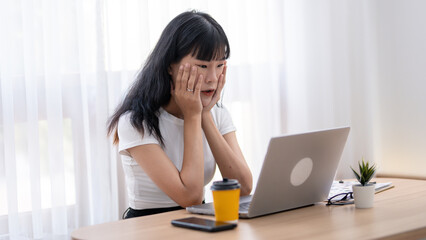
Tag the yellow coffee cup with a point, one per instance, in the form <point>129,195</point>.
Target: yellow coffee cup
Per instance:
<point>226,199</point>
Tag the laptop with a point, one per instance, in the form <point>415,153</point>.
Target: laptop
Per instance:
<point>298,171</point>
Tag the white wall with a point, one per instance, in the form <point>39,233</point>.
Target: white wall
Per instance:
<point>401,87</point>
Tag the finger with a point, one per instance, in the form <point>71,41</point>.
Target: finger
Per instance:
<point>224,73</point>
<point>220,85</point>
<point>221,82</point>
<point>179,78</point>
<point>222,79</point>
<point>185,75</point>
<point>198,86</point>
<point>192,77</point>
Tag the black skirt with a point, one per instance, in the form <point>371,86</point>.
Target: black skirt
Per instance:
<point>131,213</point>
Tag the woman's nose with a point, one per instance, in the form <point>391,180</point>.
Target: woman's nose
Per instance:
<point>212,76</point>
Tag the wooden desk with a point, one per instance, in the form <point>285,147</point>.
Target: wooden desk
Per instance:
<point>398,213</point>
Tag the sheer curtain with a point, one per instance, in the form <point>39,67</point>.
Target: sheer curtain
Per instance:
<point>57,172</point>
<point>64,67</point>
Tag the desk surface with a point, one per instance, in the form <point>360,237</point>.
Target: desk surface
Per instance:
<point>398,213</point>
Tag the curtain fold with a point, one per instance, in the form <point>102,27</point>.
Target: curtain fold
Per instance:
<point>32,112</point>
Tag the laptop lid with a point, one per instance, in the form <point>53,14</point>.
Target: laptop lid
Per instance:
<point>298,170</point>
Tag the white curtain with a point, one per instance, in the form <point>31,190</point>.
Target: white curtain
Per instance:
<point>56,167</point>
<point>295,66</point>
<point>64,67</point>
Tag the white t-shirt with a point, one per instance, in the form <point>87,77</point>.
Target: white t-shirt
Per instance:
<point>142,191</point>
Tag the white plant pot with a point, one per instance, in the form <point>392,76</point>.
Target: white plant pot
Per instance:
<point>363,195</point>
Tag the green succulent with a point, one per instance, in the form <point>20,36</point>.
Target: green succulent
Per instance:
<point>366,172</point>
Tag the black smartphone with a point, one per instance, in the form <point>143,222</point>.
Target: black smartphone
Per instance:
<point>202,224</point>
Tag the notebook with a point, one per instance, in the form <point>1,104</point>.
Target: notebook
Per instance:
<point>339,187</point>
<point>298,171</point>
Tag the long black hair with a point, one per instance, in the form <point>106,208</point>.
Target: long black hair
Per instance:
<point>191,32</point>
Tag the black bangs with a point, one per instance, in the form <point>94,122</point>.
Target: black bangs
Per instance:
<point>201,36</point>
<point>212,45</point>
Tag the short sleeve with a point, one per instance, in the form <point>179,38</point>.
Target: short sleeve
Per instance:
<point>223,120</point>
<point>130,137</point>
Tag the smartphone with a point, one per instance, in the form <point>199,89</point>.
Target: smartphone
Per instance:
<point>202,224</point>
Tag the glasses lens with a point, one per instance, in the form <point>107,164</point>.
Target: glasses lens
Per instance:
<point>341,199</point>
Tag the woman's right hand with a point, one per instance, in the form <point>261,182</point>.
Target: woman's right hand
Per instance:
<point>187,90</point>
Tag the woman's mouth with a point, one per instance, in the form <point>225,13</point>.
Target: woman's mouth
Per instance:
<point>208,93</point>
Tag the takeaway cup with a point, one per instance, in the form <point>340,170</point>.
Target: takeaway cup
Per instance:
<point>226,198</point>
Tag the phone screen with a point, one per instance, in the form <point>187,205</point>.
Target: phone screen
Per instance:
<point>203,224</point>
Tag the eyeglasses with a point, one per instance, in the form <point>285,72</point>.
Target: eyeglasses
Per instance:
<point>341,199</point>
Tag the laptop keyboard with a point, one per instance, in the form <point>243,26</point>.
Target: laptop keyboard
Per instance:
<point>244,206</point>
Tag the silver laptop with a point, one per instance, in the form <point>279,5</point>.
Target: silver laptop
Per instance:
<point>298,171</point>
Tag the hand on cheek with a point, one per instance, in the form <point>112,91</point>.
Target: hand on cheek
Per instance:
<point>220,85</point>
<point>187,90</point>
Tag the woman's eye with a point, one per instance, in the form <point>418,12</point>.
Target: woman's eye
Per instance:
<point>202,66</point>
<point>220,65</point>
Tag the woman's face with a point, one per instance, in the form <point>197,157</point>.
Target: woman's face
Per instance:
<point>210,70</point>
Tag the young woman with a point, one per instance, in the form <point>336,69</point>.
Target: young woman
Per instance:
<point>170,131</point>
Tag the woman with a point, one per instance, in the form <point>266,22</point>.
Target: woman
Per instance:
<point>170,131</point>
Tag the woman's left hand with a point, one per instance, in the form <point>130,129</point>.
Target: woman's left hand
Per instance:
<point>216,96</point>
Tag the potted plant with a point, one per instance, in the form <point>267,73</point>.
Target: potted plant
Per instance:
<point>364,192</point>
